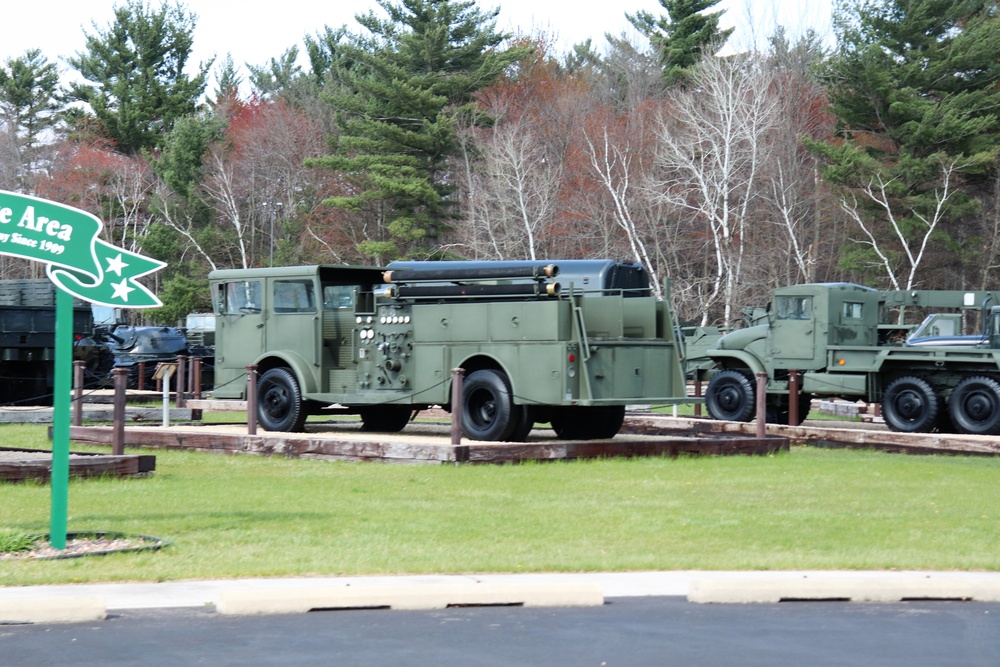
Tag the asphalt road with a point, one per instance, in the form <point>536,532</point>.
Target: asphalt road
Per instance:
<point>633,631</point>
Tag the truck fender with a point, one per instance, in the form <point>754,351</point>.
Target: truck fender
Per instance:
<point>721,357</point>
<point>294,361</point>
<point>477,360</point>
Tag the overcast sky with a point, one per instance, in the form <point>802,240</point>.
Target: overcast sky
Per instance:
<point>254,31</point>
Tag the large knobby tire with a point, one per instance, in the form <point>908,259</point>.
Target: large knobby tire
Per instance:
<point>488,410</point>
<point>974,406</point>
<point>279,401</point>
<point>385,418</point>
<point>731,396</point>
<point>910,405</point>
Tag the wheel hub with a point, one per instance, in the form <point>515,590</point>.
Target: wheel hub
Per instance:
<point>730,398</point>
<point>978,407</point>
<point>909,405</point>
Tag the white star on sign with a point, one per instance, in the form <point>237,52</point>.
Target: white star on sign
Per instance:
<point>121,290</point>
<point>115,265</point>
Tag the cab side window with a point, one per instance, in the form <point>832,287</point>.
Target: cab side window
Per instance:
<point>240,297</point>
<point>293,296</point>
<point>339,296</point>
<point>852,311</point>
<point>793,307</point>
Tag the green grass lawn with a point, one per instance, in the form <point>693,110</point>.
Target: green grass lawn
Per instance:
<point>247,516</point>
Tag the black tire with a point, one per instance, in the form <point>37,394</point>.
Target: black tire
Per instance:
<point>607,421</point>
<point>488,410</point>
<point>385,418</point>
<point>731,396</point>
<point>524,422</point>
<point>910,405</point>
<point>780,410</point>
<point>567,424</point>
<point>279,401</point>
<point>974,406</point>
<point>594,423</point>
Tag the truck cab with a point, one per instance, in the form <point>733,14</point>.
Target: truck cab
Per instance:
<point>805,320</point>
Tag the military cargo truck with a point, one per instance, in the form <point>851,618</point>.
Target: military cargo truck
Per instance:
<point>842,341</point>
<point>382,342</point>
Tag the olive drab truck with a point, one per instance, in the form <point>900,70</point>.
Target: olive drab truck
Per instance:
<point>568,343</point>
<point>845,340</point>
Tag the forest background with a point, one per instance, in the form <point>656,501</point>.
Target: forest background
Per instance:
<point>423,132</point>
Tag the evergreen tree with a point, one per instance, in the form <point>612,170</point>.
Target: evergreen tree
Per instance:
<point>913,87</point>
<point>398,93</point>
<point>227,83</point>
<point>682,35</point>
<point>134,76</point>
<point>30,103</point>
<point>921,75</point>
<point>277,74</point>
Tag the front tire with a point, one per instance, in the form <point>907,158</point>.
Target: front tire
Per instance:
<point>488,410</point>
<point>279,401</point>
<point>731,396</point>
<point>974,406</point>
<point>910,405</point>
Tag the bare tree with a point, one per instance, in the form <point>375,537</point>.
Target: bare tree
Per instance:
<point>617,171</point>
<point>517,185</point>
<point>713,144</point>
<point>225,191</point>
<point>878,191</point>
<point>129,188</point>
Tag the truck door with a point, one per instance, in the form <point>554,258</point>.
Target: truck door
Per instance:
<point>792,340</point>
<point>293,322</point>
<point>240,322</point>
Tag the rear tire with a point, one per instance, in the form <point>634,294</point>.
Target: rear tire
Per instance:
<point>524,422</point>
<point>974,406</point>
<point>608,421</point>
<point>488,410</point>
<point>593,423</point>
<point>780,410</point>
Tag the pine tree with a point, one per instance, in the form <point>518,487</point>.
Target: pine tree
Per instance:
<point>30,102</point>
<point>398,92</point>
<point>913,87</point>
<point>136,86</point>
<point>921,75</point>
<point>683,35</point>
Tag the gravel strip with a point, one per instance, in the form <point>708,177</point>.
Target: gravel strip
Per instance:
<point>82,546</point>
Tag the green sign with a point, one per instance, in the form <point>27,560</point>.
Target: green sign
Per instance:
<point>66,239</point>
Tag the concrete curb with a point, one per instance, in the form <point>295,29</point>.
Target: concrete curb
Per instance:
<point>56,609</point>
<point>411,596</point>
<point>860,589</point>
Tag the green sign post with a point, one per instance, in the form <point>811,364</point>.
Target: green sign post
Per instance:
<point>65,239</point>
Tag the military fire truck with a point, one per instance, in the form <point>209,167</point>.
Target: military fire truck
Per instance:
<point>845,340</point>
<point>569,343</point>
